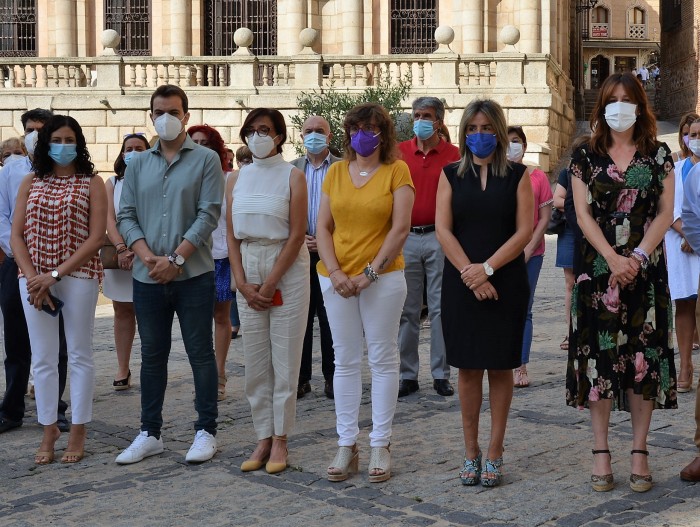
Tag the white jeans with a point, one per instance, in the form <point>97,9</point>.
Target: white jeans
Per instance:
<point>273,339</point>
<point>376,312</point>
<point>80,299</point>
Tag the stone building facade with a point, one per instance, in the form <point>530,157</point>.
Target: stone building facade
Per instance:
<point>56,54</point>
<point>680,59</point>
<point>620,35</point>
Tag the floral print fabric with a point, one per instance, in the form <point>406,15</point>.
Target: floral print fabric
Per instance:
<point>621,337</point>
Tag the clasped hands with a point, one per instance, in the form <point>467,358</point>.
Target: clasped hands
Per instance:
<point>258,297</point>
<point>347,286</point>
<point>38,289</point>
<point>125,260</point>
<point>623,270</point>
<point>160,269</point>
<point>475,278</point>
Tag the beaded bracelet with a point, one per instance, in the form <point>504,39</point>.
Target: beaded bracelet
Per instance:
<point>370,273</point>
<point>122,250</point>
<point>641,256</point>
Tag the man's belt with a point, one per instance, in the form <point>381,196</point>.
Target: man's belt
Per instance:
<point>423,229</point>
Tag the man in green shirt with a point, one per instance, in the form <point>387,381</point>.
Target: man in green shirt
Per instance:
<point>170,205</point>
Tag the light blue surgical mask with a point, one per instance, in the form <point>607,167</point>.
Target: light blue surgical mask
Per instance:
<point>128,156</point>
<point>315,143</point>
<point>63,154</point>
<point>423,129</point>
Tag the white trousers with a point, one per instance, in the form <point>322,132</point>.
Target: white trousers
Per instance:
<point>273,339</point>
<point>376,312</point>
<point>80,299</point>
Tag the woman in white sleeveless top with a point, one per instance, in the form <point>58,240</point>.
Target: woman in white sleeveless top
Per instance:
<point>117,283</point>
<point>270,264</point>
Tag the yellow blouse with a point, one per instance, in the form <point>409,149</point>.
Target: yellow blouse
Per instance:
<point>362,216</point>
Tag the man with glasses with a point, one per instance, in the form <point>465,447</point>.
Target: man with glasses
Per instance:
<point>170,205</point>
<point>316,134</point>
<point>18,352</point>
<point>426,155</point>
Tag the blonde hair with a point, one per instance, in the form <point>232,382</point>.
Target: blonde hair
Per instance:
<point>494,113</point>
<point>12,143</point>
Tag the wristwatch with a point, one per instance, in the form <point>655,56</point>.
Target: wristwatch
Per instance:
<point>55,275</point>
<point>488,269</point>
<point>176,260</point>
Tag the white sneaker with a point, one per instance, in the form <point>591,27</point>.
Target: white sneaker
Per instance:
<point>203,447</point>
<point>142,447</point>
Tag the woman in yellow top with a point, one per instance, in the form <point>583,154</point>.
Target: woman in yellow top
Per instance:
<point>363,221</point>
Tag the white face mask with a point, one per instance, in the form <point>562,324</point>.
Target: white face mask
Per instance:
<point>515,151</point>
<point>168,127</point>
<point>261,146</point>
<point>30,141</point>
<point>14,158</point>
<point>621,116</point>
<point>694,145</point>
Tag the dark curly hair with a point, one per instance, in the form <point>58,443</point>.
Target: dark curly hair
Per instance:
<point>216,143</point>
<point>120,164</point>
<point>44,165</point>
<point>366,113</point>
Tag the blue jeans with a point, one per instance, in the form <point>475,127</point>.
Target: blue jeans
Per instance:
<point>534,265</point>
<point>155,306</point>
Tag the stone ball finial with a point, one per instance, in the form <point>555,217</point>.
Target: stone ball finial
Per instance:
<point>510,35</point>
<point>308,37</point>
<point>110,38</point>
<point>243,37</point>
<point>444,35</point>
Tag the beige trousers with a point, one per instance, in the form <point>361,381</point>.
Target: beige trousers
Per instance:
<point>273,339</point>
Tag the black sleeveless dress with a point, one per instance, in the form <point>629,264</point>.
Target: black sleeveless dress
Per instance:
<point>487,334</point>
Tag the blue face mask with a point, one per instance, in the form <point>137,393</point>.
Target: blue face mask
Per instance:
<point>315,143</point>
<point>423,129</point>
<point>128,156</point>
<point>63,154</point>
<point>481,145</point>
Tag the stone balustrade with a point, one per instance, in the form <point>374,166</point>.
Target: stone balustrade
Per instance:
<point>113,91</point>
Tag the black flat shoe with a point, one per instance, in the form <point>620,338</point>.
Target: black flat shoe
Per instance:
<point>407,387</point>
<point>303,389</point>
<point>8,424</point>
<point>122,384</point>
<point>328,390</point>
<point>443,387</point>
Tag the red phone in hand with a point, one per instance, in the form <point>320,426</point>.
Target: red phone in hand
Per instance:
<point>277,298</point>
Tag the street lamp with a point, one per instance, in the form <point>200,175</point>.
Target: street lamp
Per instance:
<point>582,9</point>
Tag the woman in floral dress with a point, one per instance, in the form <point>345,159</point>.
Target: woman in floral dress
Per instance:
<point>621,352</point>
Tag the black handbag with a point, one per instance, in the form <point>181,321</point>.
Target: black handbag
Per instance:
<point>557,222</point>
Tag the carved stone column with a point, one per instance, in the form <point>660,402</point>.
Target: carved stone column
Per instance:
<point>352,26</point>
<point>530,27</point>
<point>180,28</point>
<point>473,26</point>
<point>291,19</point>
<point>66,35</point>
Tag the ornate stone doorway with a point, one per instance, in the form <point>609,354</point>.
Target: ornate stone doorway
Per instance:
<point>600,70</point>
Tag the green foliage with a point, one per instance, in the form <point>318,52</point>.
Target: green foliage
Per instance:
<point>332,104</point>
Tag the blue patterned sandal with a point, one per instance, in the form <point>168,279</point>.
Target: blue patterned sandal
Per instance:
<point>493,466</point>
<point>471,466</point>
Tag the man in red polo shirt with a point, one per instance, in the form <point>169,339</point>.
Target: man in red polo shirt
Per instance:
<point>426,154</point>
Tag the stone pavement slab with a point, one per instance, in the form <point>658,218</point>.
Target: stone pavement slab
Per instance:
<point>547,457</point>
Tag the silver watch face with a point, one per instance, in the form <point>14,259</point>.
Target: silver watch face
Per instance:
<point>54,274</point>
<point>179,260</point>
<point>488,269</point>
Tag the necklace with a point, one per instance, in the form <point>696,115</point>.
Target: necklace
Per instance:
<point>365,173</point>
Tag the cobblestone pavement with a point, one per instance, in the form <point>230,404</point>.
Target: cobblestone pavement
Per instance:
<point>547,457</point>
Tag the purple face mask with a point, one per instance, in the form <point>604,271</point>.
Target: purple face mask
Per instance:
<point>364,143</point>
<point>686,139</point>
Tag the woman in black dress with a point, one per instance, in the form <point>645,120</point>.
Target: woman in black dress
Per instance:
<point>484,221</point>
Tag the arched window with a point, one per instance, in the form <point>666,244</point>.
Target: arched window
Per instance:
<point>413,24</point>
<point>637,16</point>
<point>131,19</point>
<point>224,17</point>
<point>636,23</point>
<point>600,22</point>
<point>601,15</point>
<point>18,28</point>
